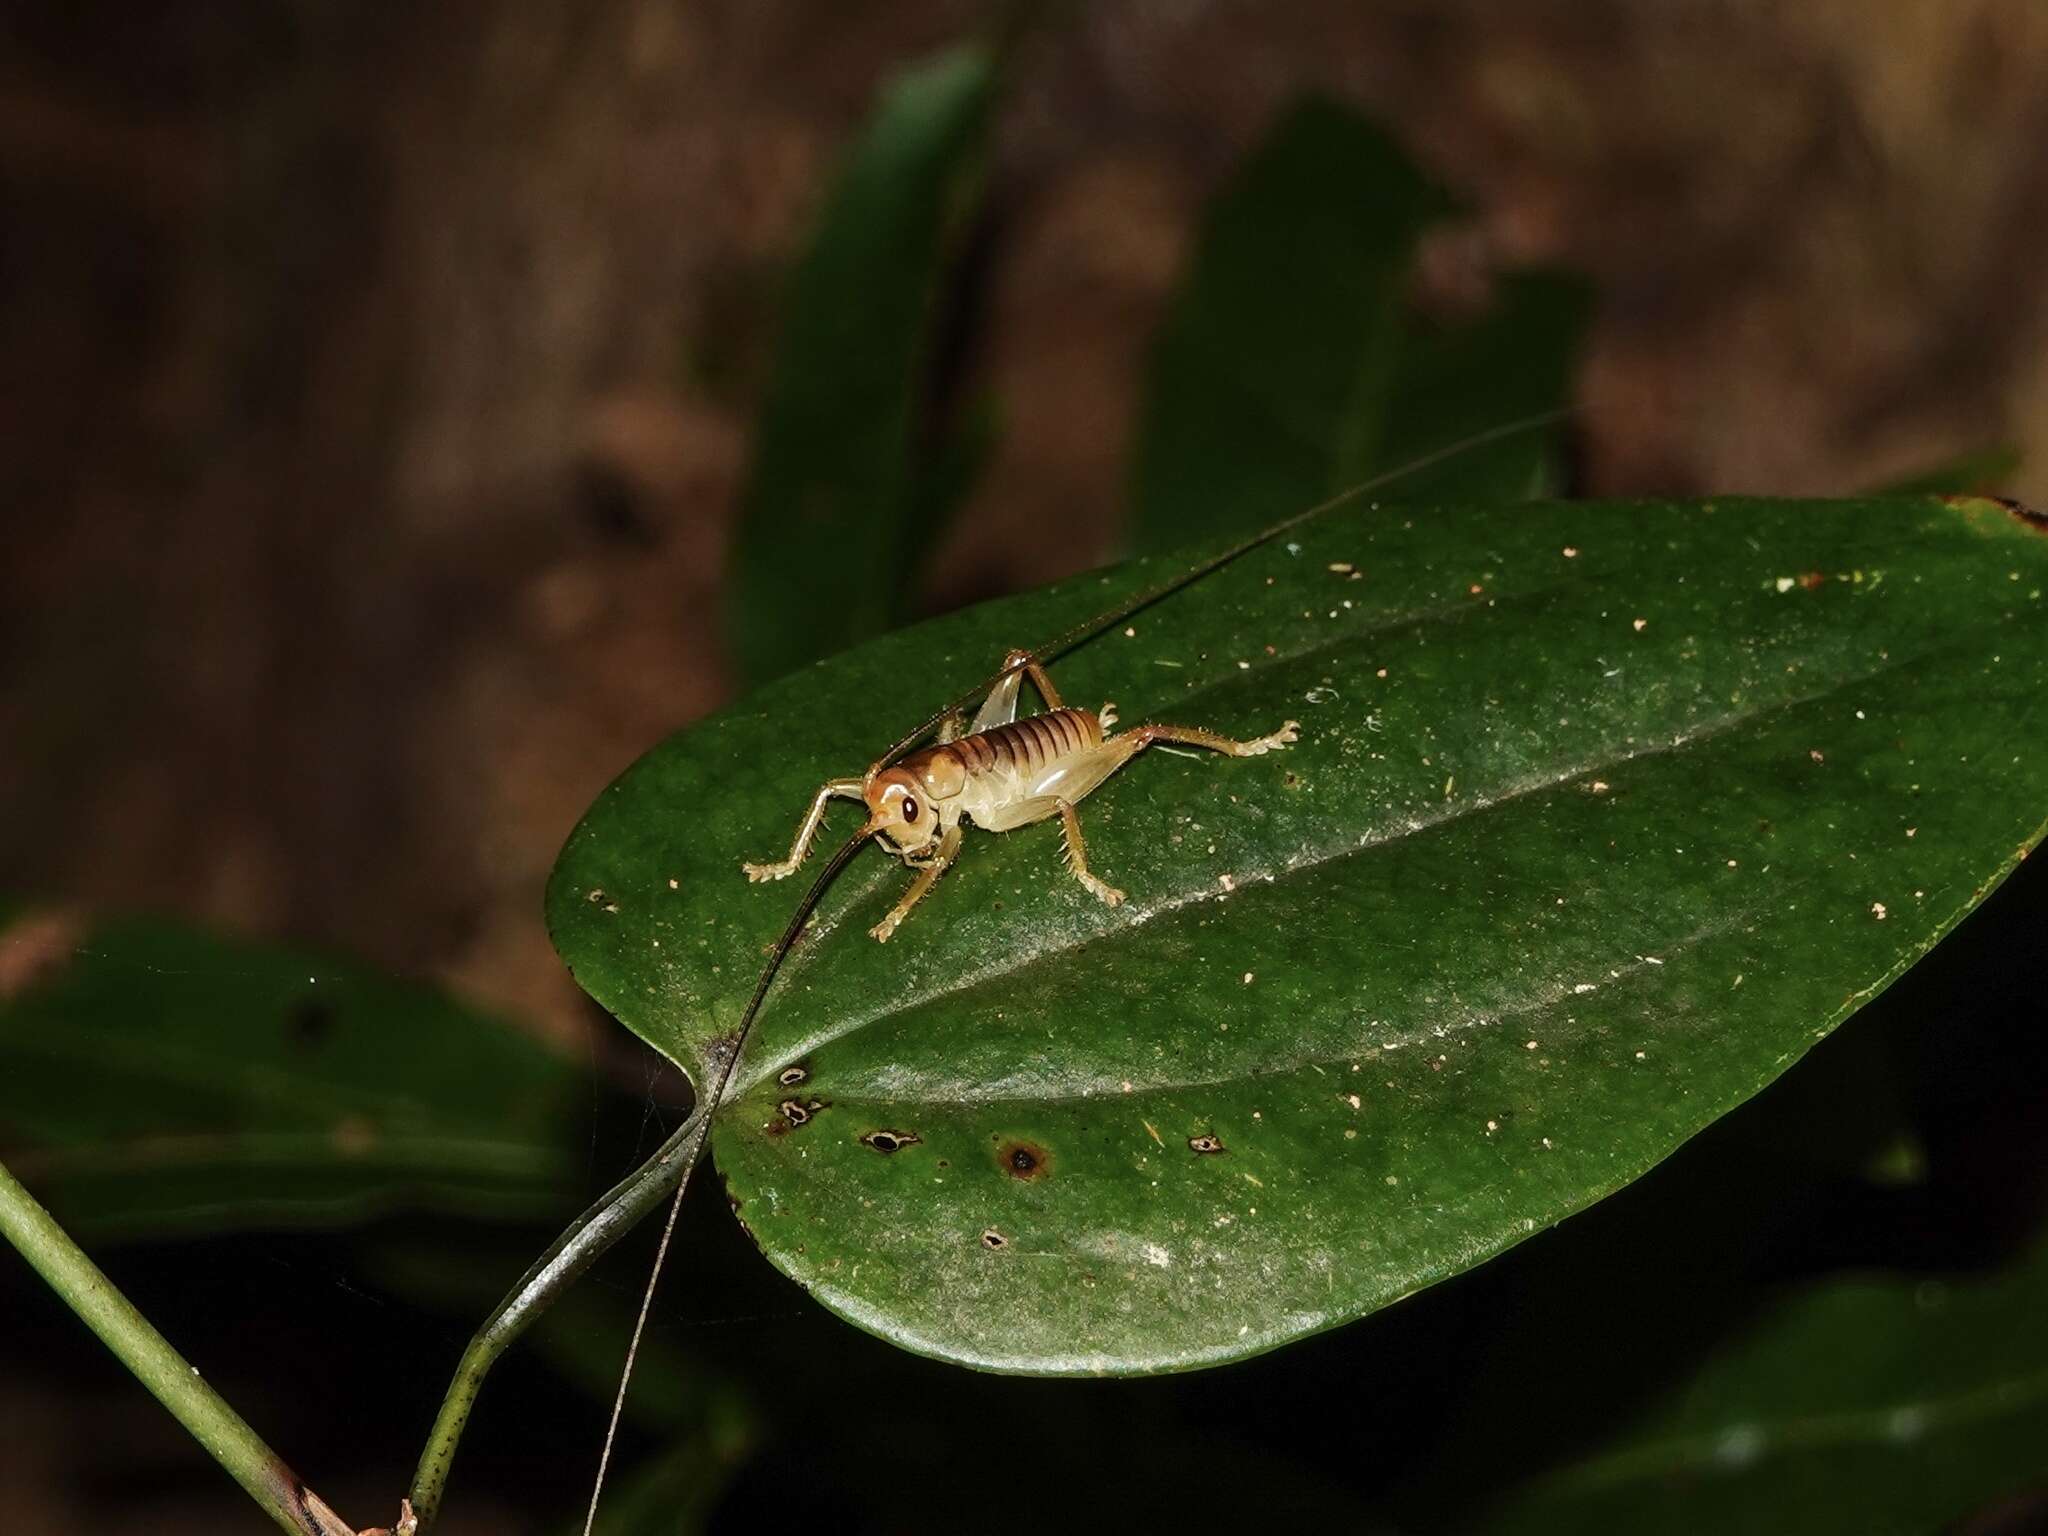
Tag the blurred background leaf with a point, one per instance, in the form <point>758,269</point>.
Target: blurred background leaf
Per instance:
<point>1294,363</point>
<point>1866,1405</point>
<point>156,1080</point>
<point>855,467</point>
<point>1458,376</point>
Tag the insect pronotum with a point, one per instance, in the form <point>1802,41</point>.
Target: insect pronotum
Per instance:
<point>1009,774</point>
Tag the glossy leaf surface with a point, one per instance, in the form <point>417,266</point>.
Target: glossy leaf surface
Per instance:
<point>1601,816</point>
<point>156,1080</point>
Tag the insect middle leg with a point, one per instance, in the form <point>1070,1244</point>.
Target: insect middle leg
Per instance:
<point>807,830</point>
<point>1077,858</point>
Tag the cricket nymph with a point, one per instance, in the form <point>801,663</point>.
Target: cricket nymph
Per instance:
<point>1002,772</point>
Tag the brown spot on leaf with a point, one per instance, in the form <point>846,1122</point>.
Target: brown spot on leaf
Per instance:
<point>1812,579</point>
<point>890,1141</point>
<point>1206,1144</point>
<point>1024,1160</point>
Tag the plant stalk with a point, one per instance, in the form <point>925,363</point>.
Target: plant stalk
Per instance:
<point>552,1273</point>
<point>170,1378</point>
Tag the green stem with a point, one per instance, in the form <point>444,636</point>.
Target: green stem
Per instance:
<point>169,1377</point>
<point>552,1273</point>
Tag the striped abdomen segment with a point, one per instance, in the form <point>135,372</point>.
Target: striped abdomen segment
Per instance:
<point>1031,744</point>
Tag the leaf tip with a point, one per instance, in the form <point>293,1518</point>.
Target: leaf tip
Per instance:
<point>2018,511</point>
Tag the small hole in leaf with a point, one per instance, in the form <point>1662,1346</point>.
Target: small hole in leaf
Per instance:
<point>891,1141</point>
<point>1205,1144</point>
<point>789,1077</point>
<point>994,1239</point>
<point>798,1113</point>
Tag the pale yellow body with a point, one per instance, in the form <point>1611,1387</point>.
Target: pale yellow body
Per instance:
<point>1003,772</point>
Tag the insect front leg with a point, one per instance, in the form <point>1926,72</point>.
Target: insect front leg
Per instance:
<point>807,829</point>
<point>927,876</point>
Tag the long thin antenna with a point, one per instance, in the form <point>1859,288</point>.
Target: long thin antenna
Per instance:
<point>1088,629</point>
<point>704,1110</point>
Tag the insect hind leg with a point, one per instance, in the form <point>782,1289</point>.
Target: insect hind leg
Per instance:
<point>1000,708</point>
<point>1195,736</point>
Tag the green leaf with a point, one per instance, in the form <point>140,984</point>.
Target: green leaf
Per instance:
<point>156,1080</point>
<point>839,487</point>
<point>1866,1406</point>
<point>1292,368</point>
<point>1601,816</point>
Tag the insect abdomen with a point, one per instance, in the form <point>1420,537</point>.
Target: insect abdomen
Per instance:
<point>1030,744</point>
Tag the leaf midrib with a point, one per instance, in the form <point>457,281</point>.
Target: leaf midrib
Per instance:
<point>1421,1035</point>
<point>1313,859</point>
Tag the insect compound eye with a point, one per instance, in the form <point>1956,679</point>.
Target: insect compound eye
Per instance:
<point>909,808</point>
